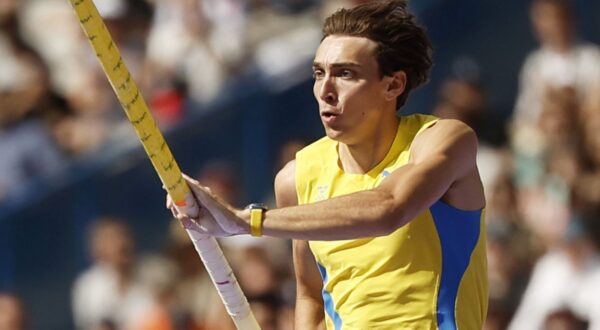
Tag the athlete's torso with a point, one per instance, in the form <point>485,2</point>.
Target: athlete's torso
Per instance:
<point>429,274</point>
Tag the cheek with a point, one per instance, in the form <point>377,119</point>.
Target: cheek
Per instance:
<point>316,89</point>
<point>354,92</point>
<point>353,102</point>
<point>363,97</point>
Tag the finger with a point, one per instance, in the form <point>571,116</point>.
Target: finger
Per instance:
<point>188,223</point>
<point>190,179</point>
<point>198,215</point>
<point>203,196</point>
<point>169,202</point>
<point>184,211</point>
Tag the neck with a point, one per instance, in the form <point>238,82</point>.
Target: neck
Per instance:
<point>360,158</point>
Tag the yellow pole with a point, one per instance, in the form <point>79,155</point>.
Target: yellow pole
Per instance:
<point>162,159</point>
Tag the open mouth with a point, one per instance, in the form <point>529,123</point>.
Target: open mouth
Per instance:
<point>329,114</point>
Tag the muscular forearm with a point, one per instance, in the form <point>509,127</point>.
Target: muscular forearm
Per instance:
<point>362,214</point>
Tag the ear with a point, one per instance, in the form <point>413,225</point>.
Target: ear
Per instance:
<point>396,84</point>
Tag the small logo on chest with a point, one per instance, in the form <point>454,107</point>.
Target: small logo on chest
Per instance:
<point>321,193</point>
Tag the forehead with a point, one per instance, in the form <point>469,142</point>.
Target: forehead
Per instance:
<point>346,49</point>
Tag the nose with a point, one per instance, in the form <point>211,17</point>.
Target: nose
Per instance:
<point>327,90</point>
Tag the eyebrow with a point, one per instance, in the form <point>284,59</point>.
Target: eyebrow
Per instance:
<point>337,65</point>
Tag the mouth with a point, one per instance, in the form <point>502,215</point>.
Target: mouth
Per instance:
<point>329,114</point>
<point>330,118</point>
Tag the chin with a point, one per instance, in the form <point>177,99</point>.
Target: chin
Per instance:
<point>334,134</point>
<point>338,136</point>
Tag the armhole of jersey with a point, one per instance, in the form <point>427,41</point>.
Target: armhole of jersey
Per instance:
<point>432,121</point>
<point>300,184</point>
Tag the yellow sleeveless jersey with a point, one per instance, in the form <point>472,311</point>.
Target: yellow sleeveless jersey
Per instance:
<point>429,274</point>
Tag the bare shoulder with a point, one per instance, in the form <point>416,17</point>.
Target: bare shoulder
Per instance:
<point>446,136</point>
<point>285,185</point>
<point>448,129</point>
<point>453,146</point>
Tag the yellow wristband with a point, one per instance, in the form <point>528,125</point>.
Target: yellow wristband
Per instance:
<point>256,218</point>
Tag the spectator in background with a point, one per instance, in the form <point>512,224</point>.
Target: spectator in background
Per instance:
<point>587,185</point>
<point>26,148</point>
<point>509,250</point>
<point>564,320</point>
<point>159,275</point>
<point>287,152</point>
<point>93,118</point>
<point>255,273</point>
<point>27,153</point>
<point>74,75</point>
<point>564,284</point>
<point>193,290</point>
<point>547,163</point>
<point>200,43</point>
<point>462,97</point>
<point>197,304</point>
<point>108,292</point>
<point>12,314</point>
<point>261,265</point>
<point>49,28</point>
<point>283,44</point>
<point>561,61</point>
<point>261,283</point>
<point>221,177</point>
<point>27,92</point>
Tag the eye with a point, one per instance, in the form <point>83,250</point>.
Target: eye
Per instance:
<point>318,73</point>
<point>348,74</point>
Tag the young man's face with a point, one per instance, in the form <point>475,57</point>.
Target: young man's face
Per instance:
<point>349,88</point>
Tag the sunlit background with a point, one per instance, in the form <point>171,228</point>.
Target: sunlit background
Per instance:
<point>85,239</point>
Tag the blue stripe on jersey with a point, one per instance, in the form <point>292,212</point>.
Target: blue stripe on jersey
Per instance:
<point>328,301</point>
<point>458,231</point>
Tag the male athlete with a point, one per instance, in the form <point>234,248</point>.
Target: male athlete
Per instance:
<point>385,211</point>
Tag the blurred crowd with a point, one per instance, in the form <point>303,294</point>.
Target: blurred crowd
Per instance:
<point>541,178</point>
<point>541,171</point>
<point>57,106</point>
<point>171,289</point>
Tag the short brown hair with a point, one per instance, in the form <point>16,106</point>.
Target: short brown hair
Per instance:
<point>402,43</point>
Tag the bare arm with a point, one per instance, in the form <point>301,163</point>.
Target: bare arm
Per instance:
<point>442,165</point>
<point>309,303</point>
